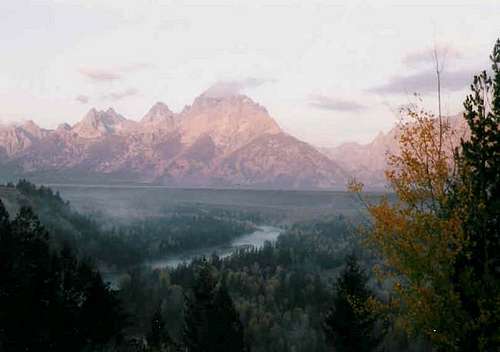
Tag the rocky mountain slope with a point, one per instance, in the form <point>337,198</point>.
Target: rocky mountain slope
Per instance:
<point>229,141</point>
<point>367,162</point>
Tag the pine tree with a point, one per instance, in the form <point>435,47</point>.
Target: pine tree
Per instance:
<point>350,324</point>
<point>477,195</point>
<point>211,321</point>
<point>198,311</point>
<point>4,218</point>
<point>5,244</point>
<point>33,285</point>
<point>50,300</point>
<point>227,329</point>
<point>5,271</point>
<point>156,335</point>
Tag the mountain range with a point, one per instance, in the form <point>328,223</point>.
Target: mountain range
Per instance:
<point>226,141</point>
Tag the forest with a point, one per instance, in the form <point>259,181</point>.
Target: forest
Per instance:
<point>420,273</point>
<point>115,244</point>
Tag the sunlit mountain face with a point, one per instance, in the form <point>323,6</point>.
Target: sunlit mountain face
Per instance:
<point>216,141</point>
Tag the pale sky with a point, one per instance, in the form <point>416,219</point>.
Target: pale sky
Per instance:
<point>327,71</point>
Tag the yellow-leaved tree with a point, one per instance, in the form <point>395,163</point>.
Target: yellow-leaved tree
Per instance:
<point>439,238</point>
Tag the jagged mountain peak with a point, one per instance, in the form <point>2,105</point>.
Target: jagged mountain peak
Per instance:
<point>63,127</point>
<point>110,114</point>
<point>205,101</point>
<point>30,124</point>
<point>215,141</point>
<point>159,112</point>
<point>15,138</point>
<point>97,123</point>
<point>33,129</point>
<point>231,121</point>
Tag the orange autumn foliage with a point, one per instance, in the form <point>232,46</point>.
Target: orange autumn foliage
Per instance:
<point>416,235</point>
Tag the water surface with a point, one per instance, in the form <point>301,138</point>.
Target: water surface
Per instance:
<point>255,239</point>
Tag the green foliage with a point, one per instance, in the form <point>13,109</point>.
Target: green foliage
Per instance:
<point>211,321</point>
<point>279,292</point>
<point>350,324</point>
<point>476,193</point>
<point>181,232</point>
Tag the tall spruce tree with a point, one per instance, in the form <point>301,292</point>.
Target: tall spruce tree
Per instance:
<point>228,330</point>
<point>211,321</point>
<point>199,307</point>
<point>477,196</point>
<point>157,334</point>
<point>5,271</point>
<point>158,337</point>
<point>350,325</point>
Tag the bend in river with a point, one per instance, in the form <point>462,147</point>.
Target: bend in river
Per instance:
<point>255,239</point>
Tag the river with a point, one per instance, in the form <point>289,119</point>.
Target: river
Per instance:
<point>255,239</point>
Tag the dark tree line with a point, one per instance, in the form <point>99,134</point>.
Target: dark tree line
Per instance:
<point>50,300</point>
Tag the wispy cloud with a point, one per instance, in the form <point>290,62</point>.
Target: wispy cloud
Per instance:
<point>99,75</point>
<point>334,104</point>
<point>135,67</point>
<point>82,99</point>
<point>426,81</point>
<point>426,56</point>
<point>111,74</point>
<point>115,96</point>
<point>228,88</point>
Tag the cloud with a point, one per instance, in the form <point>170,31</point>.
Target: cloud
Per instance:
<point>175,24</point>
<point>115,96</point>
<point>82,99</point>
<point>99,75</point>
<point>334,104</point>
<point>111,74</point>
<point>135,67</point>
<point>426,56</point>
<point>229,88</point>
<point>425,82</point>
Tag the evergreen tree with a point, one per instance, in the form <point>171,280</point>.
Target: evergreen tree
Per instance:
<point>198,311</point>
<point>5,270</point>
<point>228,331</point>
<point>477,196</point>
<point>28,299</point>
<point>158,337</point>
<point>4,218</point>
<point>211,322</point>
<point>350,324</point>
<point>49,301</point>
<point>157,333</point>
